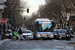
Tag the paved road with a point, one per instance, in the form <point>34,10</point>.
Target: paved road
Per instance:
<point>38,45</point>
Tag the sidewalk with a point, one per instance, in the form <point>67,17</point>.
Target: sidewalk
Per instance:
<point>2,41</point>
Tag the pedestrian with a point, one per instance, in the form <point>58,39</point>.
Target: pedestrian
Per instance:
<point>72,32</point>
<point>20,31</point>
<point>69,36</point>
<point>0,34</point>
<point>20,34</point>
<point>68,32</point>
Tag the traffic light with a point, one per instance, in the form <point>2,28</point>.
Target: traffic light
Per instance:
<point>3,15</point>
<point>5,4</point>
<point>61,16</point>
<point>4,12</point>
<point>27,10</point>
<point>67,26</point>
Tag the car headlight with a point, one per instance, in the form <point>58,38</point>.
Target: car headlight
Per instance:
<point>55,34</point>
<point>67,35</point>
<point>59,37</point>
<point>38,35</point>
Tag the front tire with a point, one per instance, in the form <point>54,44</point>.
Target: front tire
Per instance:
<point>68,39</point>
<point>14,38</point>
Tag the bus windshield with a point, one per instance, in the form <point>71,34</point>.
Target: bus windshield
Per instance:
<point>44,27</point>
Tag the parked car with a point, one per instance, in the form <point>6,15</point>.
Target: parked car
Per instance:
<point>8,33</point>
<point>27,34</point>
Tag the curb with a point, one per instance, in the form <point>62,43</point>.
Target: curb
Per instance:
<point>2,41</point>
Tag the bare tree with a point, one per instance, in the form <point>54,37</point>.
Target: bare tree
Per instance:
<point>14,10</point>
<point>53,8</point>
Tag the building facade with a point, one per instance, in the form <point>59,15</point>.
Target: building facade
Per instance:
<point>1,10</point>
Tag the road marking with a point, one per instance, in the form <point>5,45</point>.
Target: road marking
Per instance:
<point>33,49</point>
<point>63,47</point>
<point>57,46</point>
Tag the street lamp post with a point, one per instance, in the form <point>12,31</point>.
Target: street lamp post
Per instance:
<point>3,17</point>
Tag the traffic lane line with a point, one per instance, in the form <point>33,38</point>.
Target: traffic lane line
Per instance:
<point>56,46</point>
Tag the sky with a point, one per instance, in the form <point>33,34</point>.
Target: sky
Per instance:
<point>33,6</point>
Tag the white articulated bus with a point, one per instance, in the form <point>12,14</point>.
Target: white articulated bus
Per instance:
<point>43,28</point>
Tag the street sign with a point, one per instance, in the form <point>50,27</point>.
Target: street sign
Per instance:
<point>68,16</point>
<point>3,21</point>
<point>70,27</point>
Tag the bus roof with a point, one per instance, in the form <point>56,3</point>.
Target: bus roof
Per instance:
<point>42,19</point>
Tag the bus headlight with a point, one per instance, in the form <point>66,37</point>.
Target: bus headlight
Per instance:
<point>52,35</point>
<point>38,35</point>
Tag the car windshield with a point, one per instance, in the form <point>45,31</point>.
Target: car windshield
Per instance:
<point>55,31</point>
<point>26,31</point>
<point>9,31</point>
<point>61,31</point>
